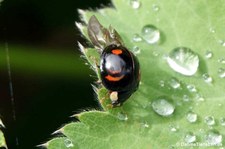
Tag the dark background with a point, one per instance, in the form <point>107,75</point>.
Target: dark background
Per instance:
<point>50,81</point>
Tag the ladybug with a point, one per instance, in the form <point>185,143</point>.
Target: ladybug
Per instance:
<point>119,68</point>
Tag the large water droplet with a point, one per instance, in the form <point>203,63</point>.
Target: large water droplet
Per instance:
<point>68,143</point>
<point>191,117</point>
<point>122,116</point>
<point>208,54</point>
<point>189,137</point>
<point>209,120</point>
<point>214,138</point>
<point>150,34</point>
<point>163,107</point>
<point>135,4</point>
<point>137,38</point>
<point>221,72</point>
<point>174,83</point>
<point>183,60</point>
<point>207,78</point>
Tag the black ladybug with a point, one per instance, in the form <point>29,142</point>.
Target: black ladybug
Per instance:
<point>119,68</point>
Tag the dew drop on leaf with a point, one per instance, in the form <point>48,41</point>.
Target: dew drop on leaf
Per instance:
<point>155,53</point>
<point>145,125</point>
<point>122,116</point>
<point>222,42</point>
<point>161,83</point>
<point>191,117</point>
<point>174,83</point>
<point>209,120</point>
<point>222,121</point>
<point>163,107</point>
<point>212,30</point>
<point>183,60</point>
<point>221,72</point>
<point>155,7</point>
<point>68,143</point>
<point>191,88</point>
<point>137,38</point>
<point>199,97</point>
<point>207,78</point>
<point>135,4</point>
<point>208,54</point>
<point>221,60</point>
<point>150,34</point>
<point>213,138</point>
<point>186,98</point>
<point>189,137</point>
<point>136,50</point>
<point>173,128</point>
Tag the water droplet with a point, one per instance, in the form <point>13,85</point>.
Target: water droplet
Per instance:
<point>136,50</point>
<point>207,78</point>
<point>121,116</point>
<point>174,83</point>
<point>222,121</point>
<point>163,107</point>
<point>212,30</point>
<point>155,7</point>
<point>174,128</point>
<point>222,42</point>
<point>145,125</point>
<point>150,34</point>
<point>209,120</point>
<point>186,98</point>
<point>221,60</point>
<point>214,138</point>
<point>189,137</point>
<point>183,60</point>
<point>191,117</point>
<point>191,88</point>
<point>135,4</point>
<point>155,53</point>
<point>199,97</point>
<point>161,83</point>
<point>208,54</point>
<point>68,143</point>
<point>137,38</point>
<point>221,72</point>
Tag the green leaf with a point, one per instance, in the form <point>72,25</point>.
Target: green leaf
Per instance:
<point>198,100</point>
<point>2,138</point>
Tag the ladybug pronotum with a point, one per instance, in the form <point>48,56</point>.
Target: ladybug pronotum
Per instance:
<point>119,68</point>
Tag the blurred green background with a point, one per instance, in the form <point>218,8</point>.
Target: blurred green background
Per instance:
<point>50,80</point>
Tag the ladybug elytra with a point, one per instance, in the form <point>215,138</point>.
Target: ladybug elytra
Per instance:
<point>119,68</point>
